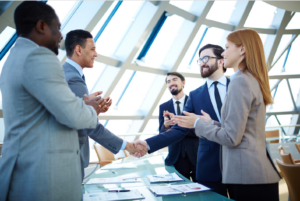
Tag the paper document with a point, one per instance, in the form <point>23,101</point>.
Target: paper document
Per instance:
<point>164,178</point>
<point>115,180</point>
<point>118,166</point>
<point>131,195</point>
<point>178,189</point>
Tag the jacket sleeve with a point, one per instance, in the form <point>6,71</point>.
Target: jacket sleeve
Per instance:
<point>100,134</point>
<point>171,136</point>
<point>238,105</point>
<point>43,77</point>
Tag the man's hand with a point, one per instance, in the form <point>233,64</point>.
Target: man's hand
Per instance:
<point>92,96</point>
<point>205,117</point>
<point>105,105</point>
<point>136,150</point>
<point>187,121</point>
<point>167,121</point>
<point>139,144</point>
<point>94,101</point>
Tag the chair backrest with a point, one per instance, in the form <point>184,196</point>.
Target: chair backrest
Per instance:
<point>287,158</point>
<point>126,153</point>
<point>280,148</point>
<point>291,174</point>
<point>103,153</point>
<point>271,134</point>
<point>298,147</point>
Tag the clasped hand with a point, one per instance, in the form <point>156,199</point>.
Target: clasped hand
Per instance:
<point>101,105</point>
<point>137,148</point>
<point>189,119</point>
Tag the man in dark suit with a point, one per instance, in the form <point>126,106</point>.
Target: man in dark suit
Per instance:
<point>182,154</point>
<point>209,98</point>
<point>81,52</point>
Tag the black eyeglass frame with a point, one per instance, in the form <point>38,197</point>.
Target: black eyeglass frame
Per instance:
<point>201,60</point>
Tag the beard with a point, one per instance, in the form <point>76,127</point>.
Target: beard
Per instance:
<point>174,92</point>
<point>211,69</point>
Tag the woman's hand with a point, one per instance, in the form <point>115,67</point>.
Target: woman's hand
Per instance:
<point>187,121</point>
<point>205,117</point>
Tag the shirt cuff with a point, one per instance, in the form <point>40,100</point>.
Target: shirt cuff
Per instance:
<point>196,122</point>
<point>212,123</point>
<point>148,148</point>
<point>123,145</point>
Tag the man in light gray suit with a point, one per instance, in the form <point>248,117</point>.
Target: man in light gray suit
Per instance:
<point>81,52</point>
<point>40,156</point>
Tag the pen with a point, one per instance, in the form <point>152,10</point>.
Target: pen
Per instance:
<point>117,191</point>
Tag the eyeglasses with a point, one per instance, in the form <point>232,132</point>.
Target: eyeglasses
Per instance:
<point>204,59</point>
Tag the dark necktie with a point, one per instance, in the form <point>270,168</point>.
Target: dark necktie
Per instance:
<point>182,144</point>
<point>219,105</point>
<point>83,77</point>
<point>178,108</point>
<point>217,97</point>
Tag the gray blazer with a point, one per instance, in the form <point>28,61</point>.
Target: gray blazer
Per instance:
<point>100,134</point>
<point>242,134</point>
<point>40,156</point>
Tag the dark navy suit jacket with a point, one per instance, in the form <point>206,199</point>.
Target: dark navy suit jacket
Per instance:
<point>189,143</point>
<point>208,165</point>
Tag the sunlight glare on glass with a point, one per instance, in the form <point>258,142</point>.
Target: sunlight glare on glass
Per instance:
<point>261,15</point>
<point>221,11</point>
<point>163,42</point>
<point>295,22</point>
<point>184,5</point>
<point>62,8</point>
<point>115,31</point>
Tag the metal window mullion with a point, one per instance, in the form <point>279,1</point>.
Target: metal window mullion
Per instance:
<point>71,14</point>
<point>127,85</point>
<point>204,33</point>
<point>108,20</point>
<point>290,90</point>
<point>280,124</point>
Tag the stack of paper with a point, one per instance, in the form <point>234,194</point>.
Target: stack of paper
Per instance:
<point>115,180</point>
<point>178,189</point>
<point>164,178</point>
<point>118,166</point>
<point>108,196</point>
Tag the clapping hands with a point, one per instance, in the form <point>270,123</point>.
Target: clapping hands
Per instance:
<point>101,105</point>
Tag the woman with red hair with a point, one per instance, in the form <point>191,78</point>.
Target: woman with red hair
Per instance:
<point>247,168</point>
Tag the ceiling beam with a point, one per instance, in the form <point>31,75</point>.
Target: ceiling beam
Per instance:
<point>180,12</point>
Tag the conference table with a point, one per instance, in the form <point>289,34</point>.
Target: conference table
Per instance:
<point>151,164</point>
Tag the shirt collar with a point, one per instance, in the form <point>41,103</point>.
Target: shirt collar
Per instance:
<point>27,40</point>
<point>180,100</point>
<point>222,80</point>
<point>235,74</point>
<point>75,65</point>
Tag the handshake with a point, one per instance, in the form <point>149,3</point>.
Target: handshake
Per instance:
<point>137,148</point>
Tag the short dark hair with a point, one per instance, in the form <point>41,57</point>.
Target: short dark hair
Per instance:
<point>217,50</point>
<point>28,13</point>
<point>74,38</point>
<point>175,74</point>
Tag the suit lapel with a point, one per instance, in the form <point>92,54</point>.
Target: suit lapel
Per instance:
<point>185,100</point>
<point>171,106</point>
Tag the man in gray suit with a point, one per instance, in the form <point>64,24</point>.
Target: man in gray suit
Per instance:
<point>40,156</point>
<point>81,52</point>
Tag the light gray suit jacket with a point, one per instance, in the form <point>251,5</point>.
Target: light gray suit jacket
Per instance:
<point>100,134</point>
<point>242,134</point>
<point>40,156</point>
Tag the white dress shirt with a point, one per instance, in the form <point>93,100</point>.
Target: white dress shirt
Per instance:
<point>222,87</point>
<point>181,105</point>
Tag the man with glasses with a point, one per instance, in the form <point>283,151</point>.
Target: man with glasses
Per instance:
<point>209,98</point>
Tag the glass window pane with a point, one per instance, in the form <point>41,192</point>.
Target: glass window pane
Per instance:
<point>282,100</point>
<point>184,5</point>
<point>285,39</point>
<point>221,11</point>
<point>271,122</point>
<point>293,59</point>
<point>163,41</point>
<point>294,23</point>
<point>136,92</point>
<point>113,34</point>
<point>152,126</point>
<point>62,8</point>
<point>263,37</point>
<point>119,126</point>
<point>277,68</point>
<point>261,15</point>
<point>5,36</point>
<point>295,87</point>
<point>93,74</point>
